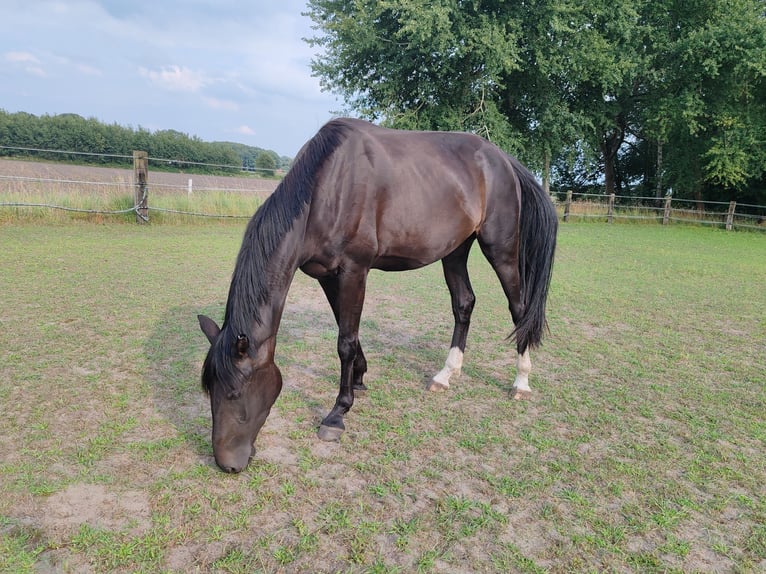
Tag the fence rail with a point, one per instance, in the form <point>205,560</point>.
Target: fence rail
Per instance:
<point>29,189</point>
<point>129,158</point>
<point>127,194</point>
<point>728,215</point>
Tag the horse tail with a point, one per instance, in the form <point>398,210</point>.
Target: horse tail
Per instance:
<point>539,224</point>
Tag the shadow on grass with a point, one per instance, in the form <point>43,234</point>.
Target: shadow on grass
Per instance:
<point>174,352</point>
<point>176,348</point>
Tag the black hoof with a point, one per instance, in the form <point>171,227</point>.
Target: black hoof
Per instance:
<point>360,387</point>
<point>329,434</point>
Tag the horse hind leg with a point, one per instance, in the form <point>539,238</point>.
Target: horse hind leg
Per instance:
<point>520,387</point>
<point>463,299</point>
<point>507,270</point>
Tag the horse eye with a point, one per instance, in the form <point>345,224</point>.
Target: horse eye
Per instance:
<point>234,395</point>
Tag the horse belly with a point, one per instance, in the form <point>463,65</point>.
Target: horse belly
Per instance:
<point>410,243</point>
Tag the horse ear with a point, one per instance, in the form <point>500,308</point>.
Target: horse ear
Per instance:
<point>242,344</point>
<point>209,327</point>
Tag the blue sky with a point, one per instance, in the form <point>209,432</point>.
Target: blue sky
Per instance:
<point>233,70</point>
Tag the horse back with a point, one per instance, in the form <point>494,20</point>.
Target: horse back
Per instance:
<point>398,200</point>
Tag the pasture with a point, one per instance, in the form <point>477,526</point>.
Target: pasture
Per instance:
<point>641,451</point>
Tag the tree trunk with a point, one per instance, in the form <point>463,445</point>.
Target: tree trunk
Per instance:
<point>547,173</point>
<point>699,204</point>
<point>658,174</point>
<point>609,174</point>
<point>610,145</point>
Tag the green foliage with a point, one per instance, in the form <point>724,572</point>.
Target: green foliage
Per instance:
<point>434,65</point>
<point>648,95</point>
<point>251,156</point>
<point>19,548</point>
<point>96,142</point>
<point>266,163</point>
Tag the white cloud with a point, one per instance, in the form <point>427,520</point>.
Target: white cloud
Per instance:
<point>219,104</point>
<point>20,58</point>
<point>245,131</point>
<point>36,71</point>
<point>65,64</point>
<point>175,78</point>
<point>26,61</point>
<point>87,70</point>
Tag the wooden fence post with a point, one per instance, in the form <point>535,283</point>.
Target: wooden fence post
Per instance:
<point>666,212</point>
<point>141,185</point>
<point>610,209</point>
<point>567,204</point>
<point>730,215</point>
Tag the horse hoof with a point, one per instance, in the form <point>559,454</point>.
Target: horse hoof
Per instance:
<point>329,434</point>
<point>360,387</point>
<point>521,395</point>
<point>436,387</point>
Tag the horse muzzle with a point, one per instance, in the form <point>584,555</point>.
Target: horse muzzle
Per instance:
<point>234,461</point>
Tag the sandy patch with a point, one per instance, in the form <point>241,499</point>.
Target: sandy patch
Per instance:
<point>95,505</point>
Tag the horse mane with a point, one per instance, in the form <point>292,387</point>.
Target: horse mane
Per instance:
<point>272,221</point>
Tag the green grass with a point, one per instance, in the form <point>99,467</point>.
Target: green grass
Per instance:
<point>642,450</point>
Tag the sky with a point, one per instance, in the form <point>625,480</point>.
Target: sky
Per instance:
<point>221,70</point>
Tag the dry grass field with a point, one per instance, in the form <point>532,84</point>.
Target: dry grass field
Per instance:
<point>79,189</point>
<point>124,177</point>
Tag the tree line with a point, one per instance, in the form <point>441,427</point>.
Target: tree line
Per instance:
<point>98,143</point>
<point>634,97</point>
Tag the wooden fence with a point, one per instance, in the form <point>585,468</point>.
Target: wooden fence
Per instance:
<point>22,191</point>
<point>727,215</point>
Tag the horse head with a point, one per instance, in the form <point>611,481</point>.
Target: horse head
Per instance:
<point>241,393</point>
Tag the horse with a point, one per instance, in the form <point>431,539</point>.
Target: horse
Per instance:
<point>359,197</point>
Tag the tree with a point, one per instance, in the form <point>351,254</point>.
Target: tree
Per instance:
<point>98,142</point>
<point>670,91</point>
<point>418,65</point>
<point>266,162</point>
<point>718,68</point>
<point>539,75</point>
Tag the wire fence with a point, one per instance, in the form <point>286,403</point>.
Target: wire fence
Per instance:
<point>107,192</point>
<point>129,158</point>
<point>28,188</point>
<point>83,184</point>
<point>665,210</point>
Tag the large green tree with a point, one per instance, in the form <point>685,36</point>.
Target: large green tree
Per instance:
<point>673,86</point>
<point>712,107</point>
<point>419,65</point>
<point>579,79</point>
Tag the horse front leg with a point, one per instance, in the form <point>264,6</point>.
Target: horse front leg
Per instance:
<point>349,302</point>
<point>330,286</point>
<point>459,285</point>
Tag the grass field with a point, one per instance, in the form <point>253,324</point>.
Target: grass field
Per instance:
<point>641,451</point>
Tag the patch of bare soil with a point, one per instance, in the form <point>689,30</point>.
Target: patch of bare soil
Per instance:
<point>96,505</point>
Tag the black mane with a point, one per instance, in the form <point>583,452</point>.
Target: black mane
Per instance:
<point>264,234</point>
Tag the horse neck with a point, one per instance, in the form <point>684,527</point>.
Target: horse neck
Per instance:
<point>261,282</point>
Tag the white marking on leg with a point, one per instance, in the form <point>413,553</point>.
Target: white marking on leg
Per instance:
<point>452,366</point>
<point>523,367</point>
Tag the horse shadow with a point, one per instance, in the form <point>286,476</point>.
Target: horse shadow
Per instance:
<point>175,350</point>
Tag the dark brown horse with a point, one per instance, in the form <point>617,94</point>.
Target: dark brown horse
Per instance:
<point>359,197</point>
